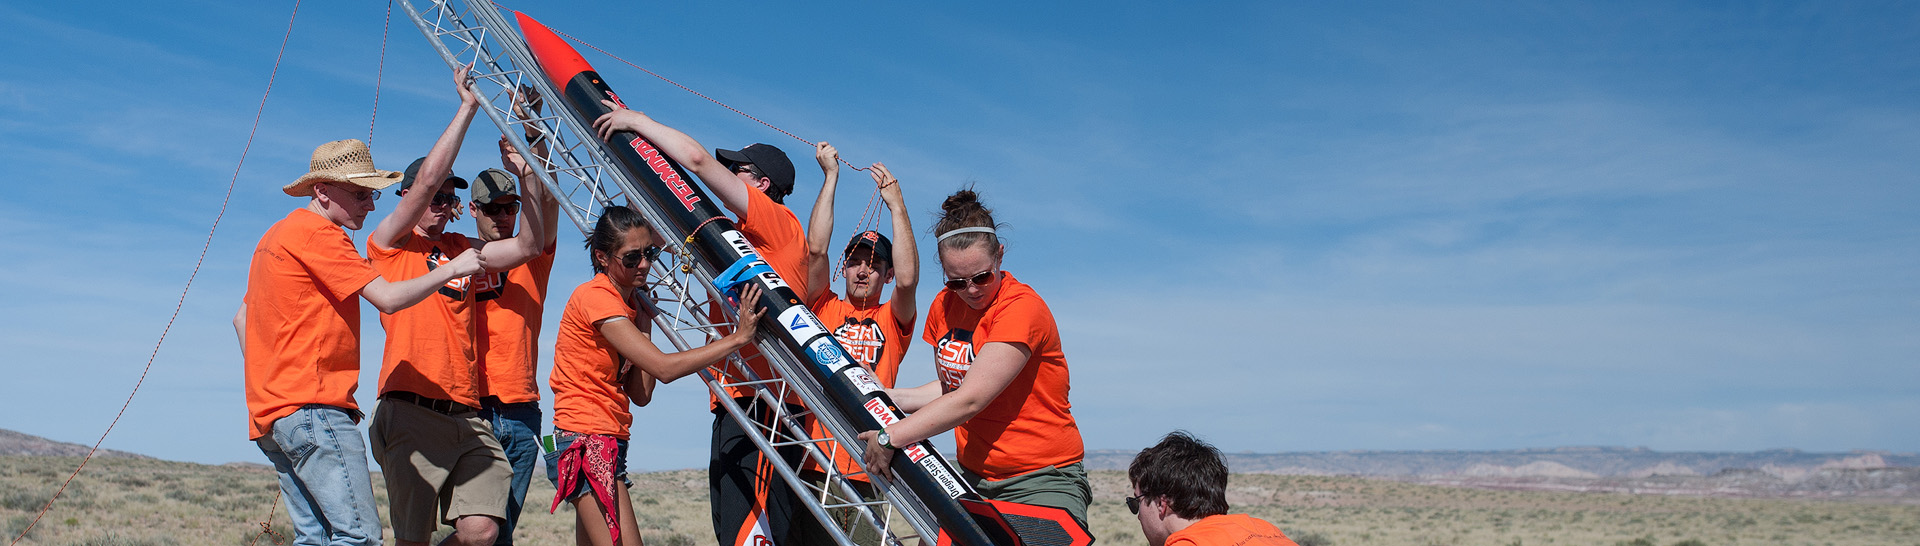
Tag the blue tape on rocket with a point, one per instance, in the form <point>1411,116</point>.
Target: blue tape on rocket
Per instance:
<point>747,267</point>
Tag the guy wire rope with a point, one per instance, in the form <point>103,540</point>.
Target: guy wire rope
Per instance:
<point>224,200</point>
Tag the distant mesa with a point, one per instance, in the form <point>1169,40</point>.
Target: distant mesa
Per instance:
<point>1554,462</point>
<point>20,443</point>
<point>1772,473</point>
<point>1541,469</point>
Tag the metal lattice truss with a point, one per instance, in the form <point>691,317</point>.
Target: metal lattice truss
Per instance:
<point>576,169</point>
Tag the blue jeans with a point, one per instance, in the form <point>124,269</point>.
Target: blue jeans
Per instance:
<point>517,426</point>
<point>322,462</point>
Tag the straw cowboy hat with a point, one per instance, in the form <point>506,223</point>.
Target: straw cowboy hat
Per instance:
<point>346,161</point>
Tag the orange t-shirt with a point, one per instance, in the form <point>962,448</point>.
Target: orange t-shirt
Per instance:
<point>874,338</point>
<point>776,234</point>
<point>429,345</point>
<point>512,302</point>
<point>1229,530</point>
<point>1030,425</point>
<point>303,319</point>
<point>588,396</point>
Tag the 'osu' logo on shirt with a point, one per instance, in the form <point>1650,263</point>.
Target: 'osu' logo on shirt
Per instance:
<point>954,354</point>
<point>863,339</point>
<point>455,288</point>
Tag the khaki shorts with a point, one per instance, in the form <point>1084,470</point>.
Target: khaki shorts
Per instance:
<point>438,468</point>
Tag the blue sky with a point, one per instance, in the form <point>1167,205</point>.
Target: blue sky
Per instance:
<point>1284,227</point>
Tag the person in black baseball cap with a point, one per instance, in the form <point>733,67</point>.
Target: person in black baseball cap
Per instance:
<point>771,170</point>
<point>751,183</point>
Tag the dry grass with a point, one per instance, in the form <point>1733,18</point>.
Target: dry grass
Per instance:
<point>144,502</point>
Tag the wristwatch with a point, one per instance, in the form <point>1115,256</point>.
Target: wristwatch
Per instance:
<point>887,441</point>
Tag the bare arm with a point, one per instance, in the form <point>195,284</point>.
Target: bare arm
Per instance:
<point>681,148</point>
<point>637,346</point>
<point>994,367</point>
<point>433,171</point>
<point>906,256</point>
<point>639,385</point>
<point>240,329</point>
<point>820,224</point>
<point>532,241</point>
<point>391,297</point>
<point>510,159</point>
<point>912,399</point>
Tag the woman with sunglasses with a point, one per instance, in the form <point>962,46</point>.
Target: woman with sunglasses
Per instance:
<point>603,359</point>
<point>1001,379</point>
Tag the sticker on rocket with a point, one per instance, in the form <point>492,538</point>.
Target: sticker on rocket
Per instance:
<point>800,324</point>
<point>827,354</point>
<point>915,452</point>
<point>880,412</point>
<point>739,243</point>
<point>863,380</point>
<point>941,474</point>
<point>657,162</point>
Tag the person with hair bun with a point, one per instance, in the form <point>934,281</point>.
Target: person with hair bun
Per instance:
<point>602,360</point>
<point>1001,379</point>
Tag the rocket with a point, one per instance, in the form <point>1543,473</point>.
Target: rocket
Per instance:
<point>965,518</point>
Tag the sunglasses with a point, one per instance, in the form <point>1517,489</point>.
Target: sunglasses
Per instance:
<point>444,200</point>
<point>496,209</point>
<point>748,168</point>
<point>1133,505</point>
<point>978,279</point>
<point>632,259</point>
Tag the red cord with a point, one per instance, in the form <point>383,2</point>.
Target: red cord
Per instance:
<point>380,72</point>
<point>266,527</point>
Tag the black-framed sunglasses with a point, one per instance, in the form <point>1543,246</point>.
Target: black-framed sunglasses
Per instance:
<point>632,259</point>
<point>444,200</point>
<point>980,279</point>
<point>1133,505</point>
<point>749,169</point>
<point>496,209</point>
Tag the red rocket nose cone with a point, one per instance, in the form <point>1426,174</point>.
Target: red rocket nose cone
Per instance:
<point>559,59</point>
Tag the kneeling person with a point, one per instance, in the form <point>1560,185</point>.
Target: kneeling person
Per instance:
<point>1180,497</point>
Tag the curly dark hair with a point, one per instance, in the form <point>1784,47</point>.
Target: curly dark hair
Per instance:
<point>1189,474</point>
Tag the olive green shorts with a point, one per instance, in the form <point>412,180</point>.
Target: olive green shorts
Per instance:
<point>1064,487</point>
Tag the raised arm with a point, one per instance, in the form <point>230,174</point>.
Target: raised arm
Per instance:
<point>820,224</point>
<point>510,158</point>
<point>906,256</point>
<point>994,367</point>
<point>391,297</point>
<point>433,171</point>
<point>536,213</point>
<point>731,192</point>
<point>638,347</point>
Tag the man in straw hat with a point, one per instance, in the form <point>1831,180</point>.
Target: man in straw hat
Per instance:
<point>299,329</point>
<point>440,459</point>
